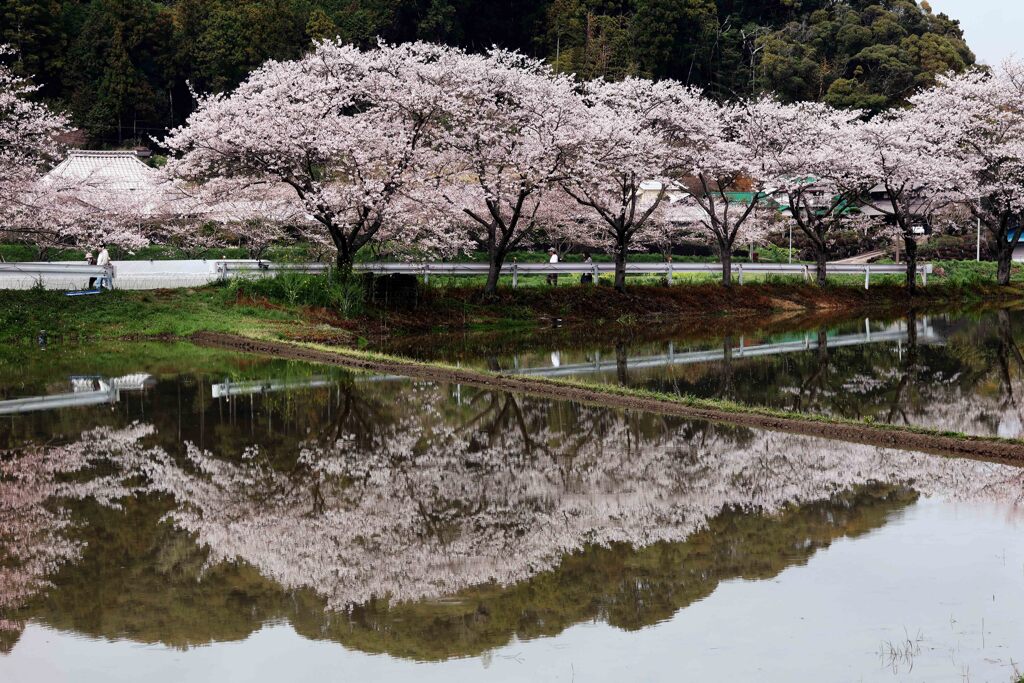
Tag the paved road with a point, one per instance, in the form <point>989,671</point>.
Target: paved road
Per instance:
<point>866,257</point>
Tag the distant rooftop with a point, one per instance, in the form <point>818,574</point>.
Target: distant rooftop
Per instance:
<point>109,171</point>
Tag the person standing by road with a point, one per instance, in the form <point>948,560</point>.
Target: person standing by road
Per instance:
<point>103,260</point>
<point>587,278</point>
<point>90,259</point>
<point>552,258</point>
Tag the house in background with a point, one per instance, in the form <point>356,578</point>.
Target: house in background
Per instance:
<point>103,180</point>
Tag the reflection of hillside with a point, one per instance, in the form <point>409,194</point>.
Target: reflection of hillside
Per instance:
<point>628,588</point>
<point>142,580</point>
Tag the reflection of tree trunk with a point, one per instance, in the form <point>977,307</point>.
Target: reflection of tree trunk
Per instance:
<point>909,368</point>
<point>504,410</point>
<point>621,364</point>
<point>809,388</point>
<point>1007,349</point>
<point>356,414</point>
<point>725,388</point>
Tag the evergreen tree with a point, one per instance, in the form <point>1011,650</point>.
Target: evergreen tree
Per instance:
<point>123,67</point>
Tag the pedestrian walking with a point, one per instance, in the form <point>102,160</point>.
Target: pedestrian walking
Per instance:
<point>552,258</point>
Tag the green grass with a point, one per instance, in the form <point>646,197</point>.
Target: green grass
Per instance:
<point>118,314</point>
<point>296,289</point>
<point>271,305</point>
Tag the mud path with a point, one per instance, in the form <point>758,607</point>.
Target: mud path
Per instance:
<point>1003,451</point>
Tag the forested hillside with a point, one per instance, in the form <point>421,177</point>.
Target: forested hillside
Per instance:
<point>122,68</point>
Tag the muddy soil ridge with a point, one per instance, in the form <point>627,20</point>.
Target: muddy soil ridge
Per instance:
<point>885,436</point>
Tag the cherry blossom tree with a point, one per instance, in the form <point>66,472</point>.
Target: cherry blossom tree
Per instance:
<point>347,130</point>
<point>980,117</point>
<point>230,212</point>
<point>28,136</point>
<point>725,157</point>
<point>508,138</point>
<point>619,149</point>
<point>816,183</point>
<point>53,217</point>
<point>907,172</point>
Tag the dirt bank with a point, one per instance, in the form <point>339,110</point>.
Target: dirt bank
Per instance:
<point>590,315</point>
<point>875,435</point>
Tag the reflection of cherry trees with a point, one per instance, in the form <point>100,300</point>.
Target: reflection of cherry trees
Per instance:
<point>33,527</point>
<point>426,508</point>
<point>426,495</point>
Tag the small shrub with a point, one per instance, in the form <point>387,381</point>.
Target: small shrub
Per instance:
<point>296,289</point>
<point>965,273</point>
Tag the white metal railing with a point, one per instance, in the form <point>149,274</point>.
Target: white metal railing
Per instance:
<point>666,268</point>
<point>170,274</point>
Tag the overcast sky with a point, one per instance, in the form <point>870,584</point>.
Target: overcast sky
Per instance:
<point>993,27</point>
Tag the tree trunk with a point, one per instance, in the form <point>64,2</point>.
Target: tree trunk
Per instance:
<point>496,260</point>
<point>820,267</point>
<point>344,263</point>
<point>1005,259</point>
<point>726,267</point>
<point>910,247</point>
<point>620,268</point>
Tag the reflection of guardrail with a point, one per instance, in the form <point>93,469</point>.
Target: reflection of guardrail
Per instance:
<point>895,333</point>
<point>87,391</point>
<point>228,389</point>
<point>925,335</point>
<point>189,273</point>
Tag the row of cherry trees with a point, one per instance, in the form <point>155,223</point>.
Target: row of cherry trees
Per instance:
<point>428,149</point>
<point>429,146</point>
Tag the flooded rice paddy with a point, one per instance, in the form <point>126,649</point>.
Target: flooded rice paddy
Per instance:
<point>947,371</point>
<point>172,513</point>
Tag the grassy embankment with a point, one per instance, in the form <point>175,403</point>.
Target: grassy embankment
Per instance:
<point>238,309</point>
<point>313,308</point>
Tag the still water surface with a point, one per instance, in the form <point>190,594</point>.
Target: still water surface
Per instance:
<point>205,517</point>
<point>950,371</point>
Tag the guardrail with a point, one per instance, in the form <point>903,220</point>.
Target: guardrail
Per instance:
<point>170,274</point>
<point>514,269</point>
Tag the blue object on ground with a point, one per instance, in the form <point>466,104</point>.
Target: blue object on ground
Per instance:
<point>84,292</point>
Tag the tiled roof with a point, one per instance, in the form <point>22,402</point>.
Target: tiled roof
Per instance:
<point>111,171</point>
<point>104,180</point>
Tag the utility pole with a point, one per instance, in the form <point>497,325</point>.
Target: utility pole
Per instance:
<point>978,257</point>
<point>791,243</point>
